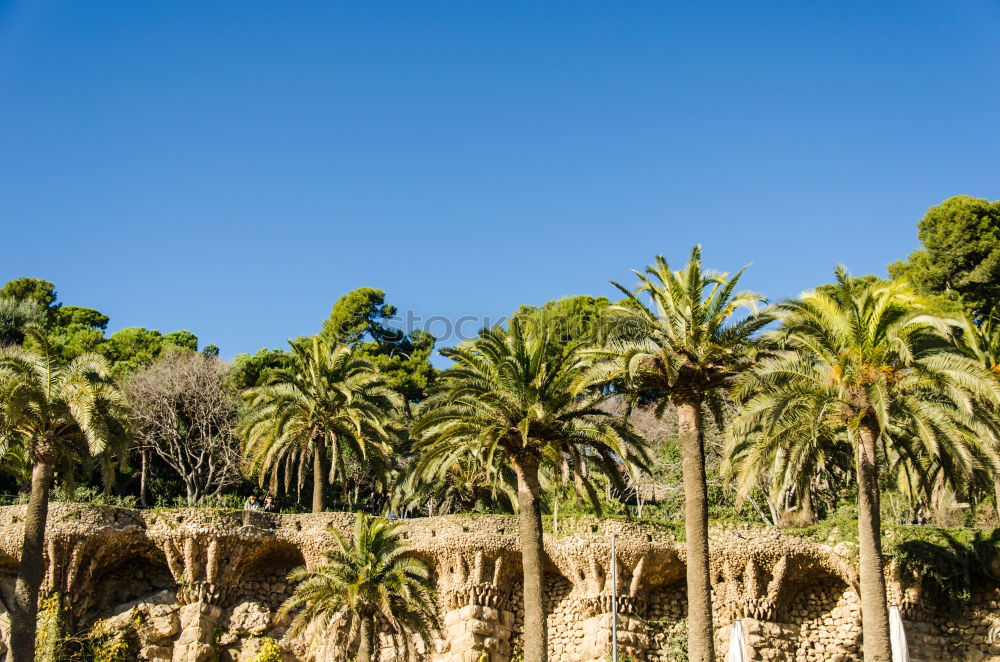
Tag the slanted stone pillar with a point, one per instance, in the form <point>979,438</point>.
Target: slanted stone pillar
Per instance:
<point>478,621</point>
<point>202,566</point>
<point>592,591</point>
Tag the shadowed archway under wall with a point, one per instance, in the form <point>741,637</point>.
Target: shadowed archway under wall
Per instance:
<point>140,574</point>
<point>263,574</point>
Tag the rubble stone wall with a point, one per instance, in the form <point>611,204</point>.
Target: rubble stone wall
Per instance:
<point>199,585</point>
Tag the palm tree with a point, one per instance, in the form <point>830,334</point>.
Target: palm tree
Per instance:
<point>981,342</point>
<point>789,460</point>
<point>803,453</point>
<point>370,583</point>
<point>871,360</point>
<point>510,399</point>
<point>468,485</point>
<point>329,400</point>
<point>686,350</point>
<point>52,410</point>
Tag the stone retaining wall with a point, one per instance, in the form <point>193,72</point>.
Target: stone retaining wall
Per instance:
<point>199,585</point>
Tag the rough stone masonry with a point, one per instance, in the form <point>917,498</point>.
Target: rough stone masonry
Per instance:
<point>201,585</point>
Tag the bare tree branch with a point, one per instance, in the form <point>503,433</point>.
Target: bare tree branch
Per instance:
<point>186,416</point>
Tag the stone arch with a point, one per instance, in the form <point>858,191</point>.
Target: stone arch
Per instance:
<point>139,574</point>
<point>263,574</point>
<point>666,611</point>
<point>822,610</point>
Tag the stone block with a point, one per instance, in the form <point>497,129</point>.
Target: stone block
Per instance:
<point>193,652</point>
<point>248,618</point>
<point>162,623</point>
<point>470,611</point>
<point>155,653</point>
<point>463,642</point>
<point>479,627</point>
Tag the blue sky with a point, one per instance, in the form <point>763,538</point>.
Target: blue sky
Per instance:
<point>233,167</point>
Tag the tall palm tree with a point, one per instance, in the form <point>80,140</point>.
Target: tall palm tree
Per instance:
<point>53,410</point>
<point>685,349</point>
<point>329,401</point>
<point>369,583</point>
<point>510,398</point>
<point>871,360</point>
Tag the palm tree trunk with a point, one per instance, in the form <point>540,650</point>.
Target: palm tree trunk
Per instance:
<point>143,477</point>
<point>532,563</point>
<point>555,514</point>
<point>806,506</point>
<point>874,612</point>
<point>31,568</point>
<point>365,641</point>
<point>319,477</point>
<point>701,637</point>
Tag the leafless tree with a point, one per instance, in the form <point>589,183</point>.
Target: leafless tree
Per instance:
<point>185,414</point>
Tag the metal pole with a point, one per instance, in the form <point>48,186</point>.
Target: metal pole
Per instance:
<point>614,601</point>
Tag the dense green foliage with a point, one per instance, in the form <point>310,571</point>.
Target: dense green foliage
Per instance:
<point>72,414</point>
<point>357,319</point>
<point>41,292</point>
<point>864,353</point>
<point>957,260</point>
<point>960,258</point>
<point>251,370</point>
<point>15,315</point>
<point>72,331</point>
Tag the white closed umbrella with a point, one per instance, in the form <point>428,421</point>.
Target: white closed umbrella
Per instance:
<point>737,652</point>
<point>897,636</point>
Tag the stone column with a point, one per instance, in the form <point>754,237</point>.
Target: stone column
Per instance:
<point>199,621</point>
<point>477,633</point>
<point>477,622</point>
<point>202,566</point>
<point>596,644</point>
<point>590,571</point>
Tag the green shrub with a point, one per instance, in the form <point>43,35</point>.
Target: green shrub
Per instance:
<point>91,495</point>
<point>947,562</point>
<point>841,527</point>
<point>674,648</point>
<point>49,632</point>
<point>108,644</point>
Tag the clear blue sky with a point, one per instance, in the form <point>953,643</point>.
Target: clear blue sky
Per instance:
<point>233,167</point>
